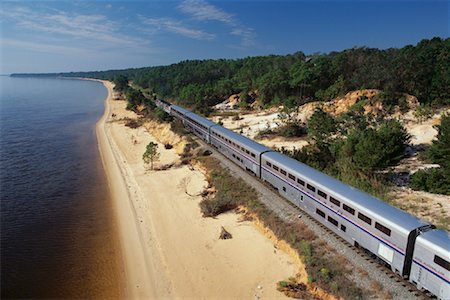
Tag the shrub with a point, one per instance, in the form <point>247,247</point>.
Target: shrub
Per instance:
<point>433,180</point>
<point>162,115</point>
<point>292,130</point>
<point>321,125</point>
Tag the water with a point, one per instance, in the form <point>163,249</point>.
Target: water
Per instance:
<point>57,232</point>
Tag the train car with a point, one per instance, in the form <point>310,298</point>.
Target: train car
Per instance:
<point>411,247</point>
<point>243,151</point>
<point>179,112</point>
<point>431,263</point>
<point>199,125</point>
<point>359,218</point>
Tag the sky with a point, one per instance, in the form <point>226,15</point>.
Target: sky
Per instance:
<point>63,36</point>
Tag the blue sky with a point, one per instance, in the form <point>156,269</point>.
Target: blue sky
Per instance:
<point>57,36</point>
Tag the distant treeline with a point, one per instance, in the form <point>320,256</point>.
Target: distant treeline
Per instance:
<point>422,70</point>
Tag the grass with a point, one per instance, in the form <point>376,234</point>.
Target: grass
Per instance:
<point>325,267</point>
<point>225,114</point>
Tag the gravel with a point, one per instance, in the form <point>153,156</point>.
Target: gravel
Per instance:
<point>367,272</point>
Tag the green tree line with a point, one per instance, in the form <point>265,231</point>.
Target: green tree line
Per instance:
<point>422,70</point>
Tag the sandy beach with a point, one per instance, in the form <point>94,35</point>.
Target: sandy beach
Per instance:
<point>169,249</point>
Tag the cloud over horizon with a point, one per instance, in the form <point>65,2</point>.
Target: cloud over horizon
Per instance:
<point>203,11</point>
<point>176,27</point>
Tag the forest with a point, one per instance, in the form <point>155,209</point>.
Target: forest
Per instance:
<point>422,70</point>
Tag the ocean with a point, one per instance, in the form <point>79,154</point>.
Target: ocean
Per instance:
<point>58,236</point>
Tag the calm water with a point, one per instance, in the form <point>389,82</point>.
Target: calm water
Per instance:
<point>57,232</point>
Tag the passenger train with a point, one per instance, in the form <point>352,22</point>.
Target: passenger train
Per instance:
<point>412,248</point>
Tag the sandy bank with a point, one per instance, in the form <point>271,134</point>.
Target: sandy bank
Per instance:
<point>170,251</point>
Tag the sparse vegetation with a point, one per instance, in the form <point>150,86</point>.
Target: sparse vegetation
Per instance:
<point>423,112</point>
<point>133,123</point>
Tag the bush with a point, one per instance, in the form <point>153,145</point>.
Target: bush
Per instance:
<point>436,180</point>
<point>376,149</point>
<point>321,125</point>
<point>162,116</point>
<point>431,180</point>
<point>292,130</point>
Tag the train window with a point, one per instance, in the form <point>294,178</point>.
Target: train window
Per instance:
<point>301,198</point>
<point>268,163</point>
<point>248,152</point>
<point>343,228</point>
<point>310,187</point>
<point>365,218</point>
<point>234,155</point>
<point>348,209</point>
<point>301,182</point>
<point>332,221</point>
<point>253,154</point>
<point>291,176</point>
<point>320,213</point>
<point>383,229</point>
<point>284,189</point>
<point>442,262</point>
<point>322,194</point>
<point>334,201</point>
<point>275,168</point>
<point>282,171</point>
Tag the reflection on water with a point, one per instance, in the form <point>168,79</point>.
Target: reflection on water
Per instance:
<point>57,230</point>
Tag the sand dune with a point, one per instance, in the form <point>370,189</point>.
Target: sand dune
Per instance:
<point>170,251</point>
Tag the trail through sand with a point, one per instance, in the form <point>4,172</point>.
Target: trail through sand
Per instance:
<point>170,250</point>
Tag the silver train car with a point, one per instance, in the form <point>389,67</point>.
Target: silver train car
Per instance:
<point>244,152</point>
<point>411,247</point>
<point>359,218</point>
<point>431,263</point>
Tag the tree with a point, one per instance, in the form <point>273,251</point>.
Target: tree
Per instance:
<point>321,125</point>
<point>439,151</point>
<point>436,180</point>
<point>121,83</point>
<point>375,149</point>
<point>151,154</point>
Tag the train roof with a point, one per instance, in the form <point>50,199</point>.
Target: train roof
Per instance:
<point>201,120</point>
<point>364,202</point>
<point>436,238</point>
<point>180,109</point>
<point>242,140</point>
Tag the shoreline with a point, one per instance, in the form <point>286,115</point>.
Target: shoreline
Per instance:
<point>136,275</point>
<point>168,249</point>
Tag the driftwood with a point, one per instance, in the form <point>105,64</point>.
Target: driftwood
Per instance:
<point>225,235</point>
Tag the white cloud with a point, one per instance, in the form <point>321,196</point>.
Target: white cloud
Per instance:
<point>46,48</point>
<point>177,27</point>
<point>91,28</point>
<point>201,10</point>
